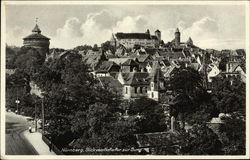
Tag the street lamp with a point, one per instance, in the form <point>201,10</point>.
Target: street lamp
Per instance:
<point>17,103</point>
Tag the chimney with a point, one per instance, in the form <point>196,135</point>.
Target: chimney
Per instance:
<point>172,124</point>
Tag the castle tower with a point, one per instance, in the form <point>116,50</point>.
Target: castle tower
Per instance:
<point>158,34</point>
<point>177,38</point>
<point>190,41</point>
<point>36,39</point>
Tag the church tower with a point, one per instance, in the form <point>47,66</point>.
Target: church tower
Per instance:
<point>36,39</point>
<point>158,34</point>
<point>177,39</point>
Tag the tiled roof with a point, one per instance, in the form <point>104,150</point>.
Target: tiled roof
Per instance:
<point>92,60</point>
<point>136,78</point>
<point>36,36</point>
<point>105,66</point>
<point>172,55</point>
<point>141,58</point>
<point>111,83</point>
<point>119,61</point>
<point>120,35</point>
<point>129,62</point>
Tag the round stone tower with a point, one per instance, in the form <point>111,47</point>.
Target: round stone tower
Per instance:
<point>177,35</point>
<point>36,39</point>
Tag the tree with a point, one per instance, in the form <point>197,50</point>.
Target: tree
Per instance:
<point>95,47</point>
<point>229,97</point>
<point>79,109</point>
<point>106,46</point>
<point>233,135</point>
<point>190,97</point>
<point>202,141</point>
<point>152,118</point>
<point>83,48</point>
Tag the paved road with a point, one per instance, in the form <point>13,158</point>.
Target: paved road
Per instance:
<point>16,143</point>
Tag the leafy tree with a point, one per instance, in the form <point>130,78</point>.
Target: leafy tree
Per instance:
<point>95,47</point>
<point>202,141</point>
<point>229,97</point>
<point>190,97</point>
<point>106,46</point>
<point>77,108</point>
<point>152,118</point>
<point>83,48</point>
<point>233,135</point>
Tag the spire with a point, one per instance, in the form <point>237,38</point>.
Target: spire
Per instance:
<point>177,30</point>
<point>36,28</point>
<point>190,41</point>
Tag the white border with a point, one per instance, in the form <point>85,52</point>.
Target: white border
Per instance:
<point>3,21</point>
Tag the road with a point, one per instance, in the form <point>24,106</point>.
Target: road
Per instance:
<point>16,143</point>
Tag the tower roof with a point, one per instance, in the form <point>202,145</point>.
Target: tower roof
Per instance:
<point>177,30</point>
<point>36,34</point>
<point>190,40</point>
<point>36,29</point>
<point>157,30</point>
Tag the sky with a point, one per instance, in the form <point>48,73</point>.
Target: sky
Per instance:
<point>68,26</point>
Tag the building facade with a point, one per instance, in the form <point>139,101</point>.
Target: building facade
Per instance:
<point>129,40</point>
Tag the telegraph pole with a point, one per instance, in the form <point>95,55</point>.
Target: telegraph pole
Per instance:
<point>43,116</point>
<point>35,119</point>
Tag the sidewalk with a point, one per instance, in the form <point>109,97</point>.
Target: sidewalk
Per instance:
<point>36,141</point>
<point>35,138</point>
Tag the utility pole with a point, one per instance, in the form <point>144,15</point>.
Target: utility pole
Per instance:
<point>35,119</point>
<point>17,101</point>
<point>43,116</point>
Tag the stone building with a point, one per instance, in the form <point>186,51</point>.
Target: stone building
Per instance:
<point>36,39</point>
<point>129,40</point>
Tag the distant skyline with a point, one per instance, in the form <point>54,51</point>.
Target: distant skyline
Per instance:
<point>68,26</point>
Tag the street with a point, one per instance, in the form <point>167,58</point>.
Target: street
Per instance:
<point>16,143</point>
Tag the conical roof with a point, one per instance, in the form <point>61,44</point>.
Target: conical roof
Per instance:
<point>190,40</point>
<point>36,29</point>
<point>36,34</point>
<point>177,30</point>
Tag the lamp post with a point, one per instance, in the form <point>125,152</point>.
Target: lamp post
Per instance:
<point>17,103</point>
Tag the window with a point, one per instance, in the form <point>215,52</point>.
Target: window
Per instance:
<point>152,84</point>
<point>141,89</point>
<point>135,89</point>
<point>152,94</point>
<point>126,90</point>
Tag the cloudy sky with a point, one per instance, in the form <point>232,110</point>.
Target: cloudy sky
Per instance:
<point>68,26</point>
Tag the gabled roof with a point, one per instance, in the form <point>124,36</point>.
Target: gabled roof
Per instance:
<point>111,83</point>
<point>141,58</point>
<point>121,35</point>
<point>129,62</point>
<point>105,66</point>
<point>136,78</point>
<point>156,73</point>
<point>92,60</point>
<point>119,61</point>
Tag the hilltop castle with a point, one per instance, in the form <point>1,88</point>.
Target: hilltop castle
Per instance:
<point>129,40</point>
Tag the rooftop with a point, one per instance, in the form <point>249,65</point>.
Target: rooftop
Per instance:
<point>121,35</point>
